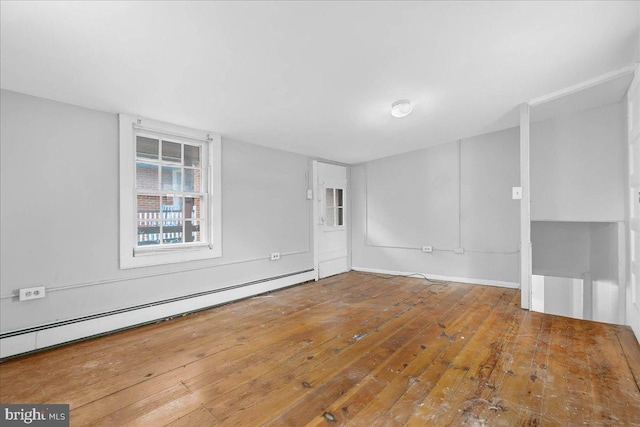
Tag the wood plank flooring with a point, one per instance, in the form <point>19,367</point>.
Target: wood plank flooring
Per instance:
<point>355,349</point>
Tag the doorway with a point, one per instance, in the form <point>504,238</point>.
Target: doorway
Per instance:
<point>573,161</point>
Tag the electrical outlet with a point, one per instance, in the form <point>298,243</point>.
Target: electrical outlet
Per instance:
<point>32,293</point>
<point>427,249</point>
<point>459,250</point>
<point>275,256</point>
<point>309,194</point>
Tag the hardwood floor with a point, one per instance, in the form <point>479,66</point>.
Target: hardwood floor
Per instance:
<point>355,349</point>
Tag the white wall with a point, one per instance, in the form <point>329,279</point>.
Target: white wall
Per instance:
<point>578,166</point>
<point>560,249</point>
<point>563,296</point>
<point>606,274</point>
<point>404,202</point>
<point>59,204</point>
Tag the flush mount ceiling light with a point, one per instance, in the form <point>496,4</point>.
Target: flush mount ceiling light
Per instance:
<point>401,108</point>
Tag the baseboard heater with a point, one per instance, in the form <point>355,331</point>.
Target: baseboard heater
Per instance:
<point>52,334</point>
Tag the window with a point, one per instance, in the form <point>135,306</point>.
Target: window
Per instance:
<point>334,215</point>
<point>169,193</point>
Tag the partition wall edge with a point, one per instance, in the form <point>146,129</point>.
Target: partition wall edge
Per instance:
<point>525,209</point>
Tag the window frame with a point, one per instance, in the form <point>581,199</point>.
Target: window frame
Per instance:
<point>134,256</point>
<point>334,186</point>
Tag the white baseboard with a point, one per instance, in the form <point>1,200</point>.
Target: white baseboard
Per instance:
<point>50,335</point>
<point>499,283</point>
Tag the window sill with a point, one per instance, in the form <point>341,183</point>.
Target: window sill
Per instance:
<point>148,257</point>
<point>166,249</point>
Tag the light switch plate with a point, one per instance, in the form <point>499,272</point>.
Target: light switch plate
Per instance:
<point>516,193</point>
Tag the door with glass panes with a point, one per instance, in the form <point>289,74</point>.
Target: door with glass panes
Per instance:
<point>332,219</point>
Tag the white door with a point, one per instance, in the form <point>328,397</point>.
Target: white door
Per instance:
<point>331,219</point>
<point>633,281</point>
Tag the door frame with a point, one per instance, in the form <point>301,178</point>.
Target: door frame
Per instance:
<point>316,219</point>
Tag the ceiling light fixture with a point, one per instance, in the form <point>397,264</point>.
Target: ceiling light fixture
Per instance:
<point>401,108</point>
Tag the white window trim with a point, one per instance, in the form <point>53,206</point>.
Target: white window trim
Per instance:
<point>129,256</point>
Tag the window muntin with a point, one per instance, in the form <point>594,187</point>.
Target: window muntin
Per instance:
<point>170,193</point>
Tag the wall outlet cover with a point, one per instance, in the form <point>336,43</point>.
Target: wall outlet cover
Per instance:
<point>428,249</point>
<point>275,256</point>
<point>32,293</point>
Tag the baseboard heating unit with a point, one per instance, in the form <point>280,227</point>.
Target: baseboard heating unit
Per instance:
<point>40,337</point>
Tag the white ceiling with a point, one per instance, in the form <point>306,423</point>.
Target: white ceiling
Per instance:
<point>604,93</point>
<point>316,78</point>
